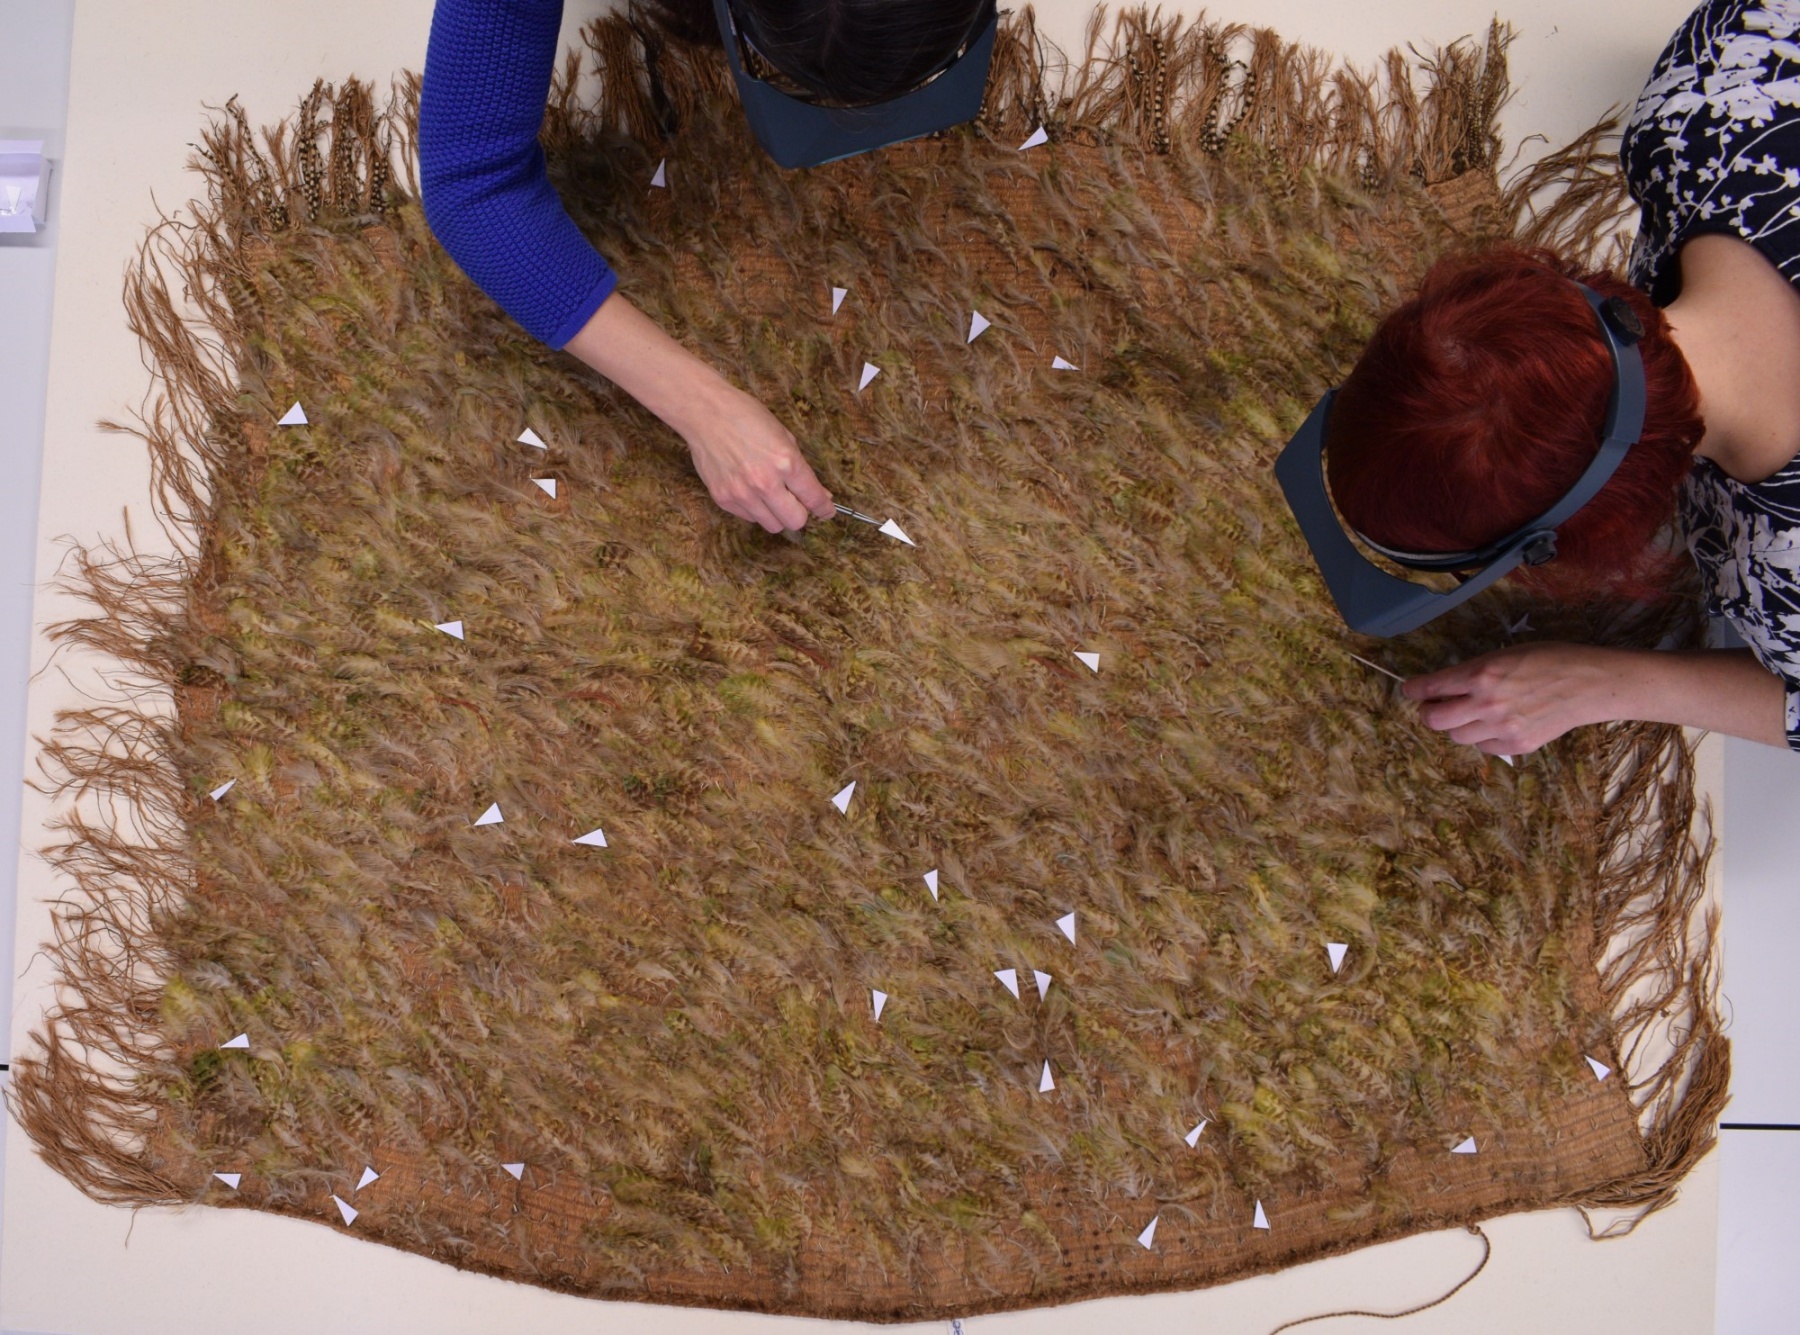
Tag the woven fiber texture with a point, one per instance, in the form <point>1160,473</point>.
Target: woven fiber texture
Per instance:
<point>675,1034</point>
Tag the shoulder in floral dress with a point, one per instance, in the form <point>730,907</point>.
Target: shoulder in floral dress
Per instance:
<point>1713,145</point>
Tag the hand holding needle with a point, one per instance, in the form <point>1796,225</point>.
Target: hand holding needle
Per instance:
<point>1397,677</point>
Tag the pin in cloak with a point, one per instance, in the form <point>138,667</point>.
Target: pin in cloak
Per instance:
<point>887,527</point>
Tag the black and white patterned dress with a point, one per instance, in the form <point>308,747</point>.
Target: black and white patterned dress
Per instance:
<point>1713,145</point>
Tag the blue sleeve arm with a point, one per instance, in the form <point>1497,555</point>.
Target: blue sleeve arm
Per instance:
<point>481,171</point>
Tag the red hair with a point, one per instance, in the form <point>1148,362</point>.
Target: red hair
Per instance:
<point>1479,402</point>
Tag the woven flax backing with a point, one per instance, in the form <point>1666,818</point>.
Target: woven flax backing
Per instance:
<point>674,1034</point>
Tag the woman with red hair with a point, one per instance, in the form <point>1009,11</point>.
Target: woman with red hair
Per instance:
<point>1479,403</point>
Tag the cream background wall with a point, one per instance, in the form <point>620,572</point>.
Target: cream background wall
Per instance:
<point>141,74</point>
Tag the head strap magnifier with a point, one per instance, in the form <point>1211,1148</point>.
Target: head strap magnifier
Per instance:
<point>798,133</point>
<point>1375,602</point>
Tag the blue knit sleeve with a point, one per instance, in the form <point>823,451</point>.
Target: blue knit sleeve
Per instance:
<point>481,170</point>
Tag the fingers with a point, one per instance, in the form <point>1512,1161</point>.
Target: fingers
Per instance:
<point>808,490</point>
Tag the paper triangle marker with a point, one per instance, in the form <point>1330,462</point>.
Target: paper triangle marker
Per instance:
<point>531,438</point>
<point>222,789</point>
<point>1146,1239</point>
<point>595,838</point>
<point>660,181</point>
<point>241,1041</point>
<point>978,325</point>
<point>1038,136</point>
<point>1466,1147</point>
<point>880,999</point>
<point>1600,1069</point>
<point>1063,364</point>
<point>1092,660</point>
<point>1009,979</point>
<point>547,485</point>
<point>837,298</point>
<point>894,530</point>
<point>1509,760</point>
<point>516,1169</point>
<point>1193,1137</point>
<point>230,1179</point>
<point>842,800</point>
<point>1043,980</point>
<point>1336,950</point>
<point>295,416</point>
<point>369,1175</point>
<point>931,883</point>
<point>1066,925</point>
<point>453,629</point>
<point>870,371</point>
<point>1261,1220</point>
<point>346,1209</point>
<point>491,816</point>
<point>1520,626</point>
<point>1046,1082</point>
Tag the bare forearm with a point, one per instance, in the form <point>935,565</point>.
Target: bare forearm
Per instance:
<point>1725,691</point>
<point>750,462</point>
<point>631,350</point>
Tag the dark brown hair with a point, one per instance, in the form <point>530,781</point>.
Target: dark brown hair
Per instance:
<point>847,51</point>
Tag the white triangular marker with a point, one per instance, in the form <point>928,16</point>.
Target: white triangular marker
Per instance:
<point>1043,981</point>
<point>593,839</point>
<point>1467,1147</point>
<point>1261,1220</point>
<point>491,816</point>
<point>1009,979</point>
<point>1520,626</point>
<point>978,325</point>
<point>1063,364</point>
<point>1600,1069</point>
<point>870,371</point>
<point>894,530</point>
<point>1193,1137</point>
<point>241,1041</point>
<point>451,628</point>
<point>660,181</point>
<point>1092,660</point>
<point>931,883</point>
<point>1336,950</point>
<point>369,1175</point>
<point>837,298</point>
<point>1509,760</point>
<point>547,485</point>
<point>230,1179</point>
<point>531,438</point>
<point>842,800</point>
<point>346,1209</point>
<point>1066,925</point>
<point>516,1169</point>
<point>1146,1239</point>
<point>222,789</point>
<point>1046,1082</point>
<point>295,416</point>
<point>1038,136</point>
<point>880,999</point>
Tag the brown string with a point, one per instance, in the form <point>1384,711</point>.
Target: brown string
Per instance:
<point>1487,1251</point>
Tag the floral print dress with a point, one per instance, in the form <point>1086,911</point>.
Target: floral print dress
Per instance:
<point>1713,145</point>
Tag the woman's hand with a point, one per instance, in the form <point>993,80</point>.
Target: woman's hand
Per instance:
<point>1515,700</point>
<point>750,462</point>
